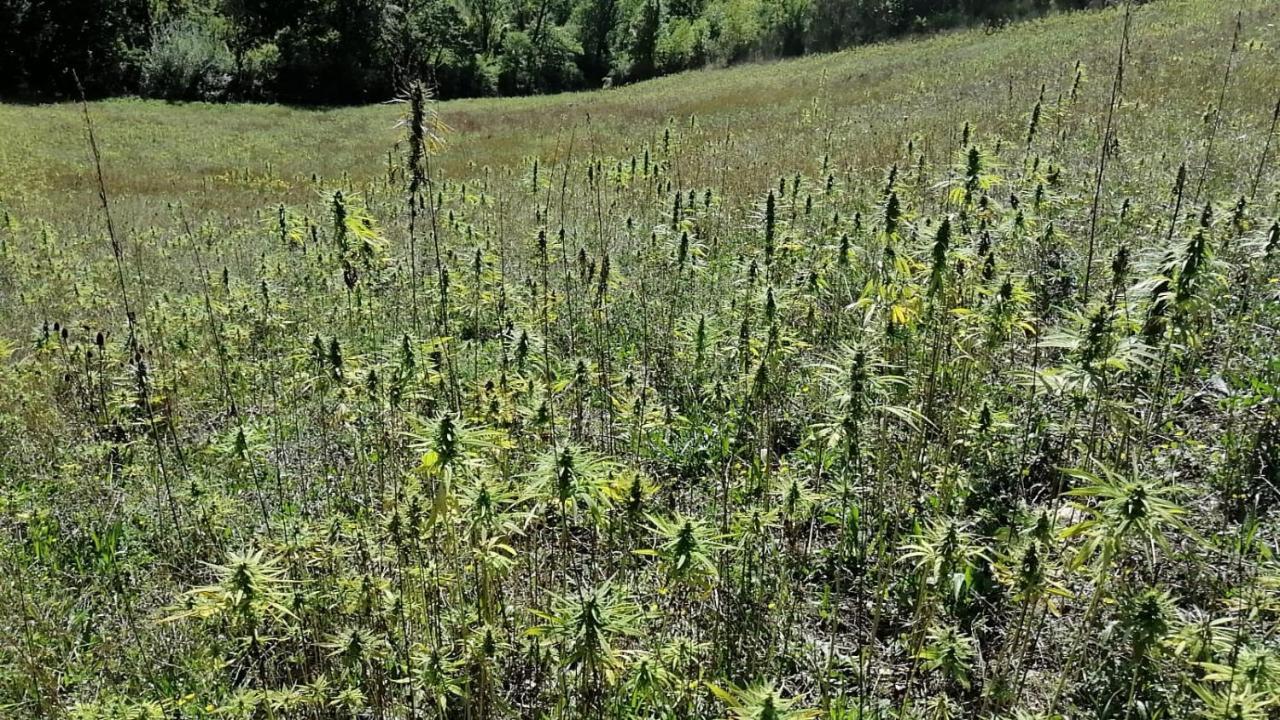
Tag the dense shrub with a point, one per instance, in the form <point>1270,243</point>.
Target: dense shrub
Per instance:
<point>351,51</point>
<point>736,28</point>
<point>257,74</point>
<point>527,66</point>
<point>46,44</point>
<point>336,52</point>
<point>187,62</point>
<point>683,45</point>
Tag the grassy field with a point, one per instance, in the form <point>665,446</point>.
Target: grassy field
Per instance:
<point>858,107</point>
<point>932,379</point>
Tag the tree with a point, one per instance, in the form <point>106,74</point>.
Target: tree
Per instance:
<point>336,53</point>
<point>597,23</point>
<point>789,20</point>
<point>644,46</point>
<point>257,21</point>
<point>484,18</point>
<point>834,24</point>
<point>47,44</point>
<point>430,40</point>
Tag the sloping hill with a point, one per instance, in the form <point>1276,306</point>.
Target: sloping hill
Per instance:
<point>857,106</point>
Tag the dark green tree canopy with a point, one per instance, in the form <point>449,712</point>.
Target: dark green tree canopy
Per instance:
<point>354,51</point>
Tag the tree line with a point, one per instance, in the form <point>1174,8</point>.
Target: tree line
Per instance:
<point>352,51</point>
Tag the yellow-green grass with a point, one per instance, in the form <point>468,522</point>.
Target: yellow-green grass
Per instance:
<point>858,106</point>
<point>219,377</point>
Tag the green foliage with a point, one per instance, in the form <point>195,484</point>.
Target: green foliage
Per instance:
<point>352,51</point>
<point>773,393</point>
<point>188,62</point>
<point>683,45</point>
<point>599,28</point>
<point>335,51</point>
<point>737,27</point>
<point>526,66</point>
<point>259,68</point>
<point>45,45</point>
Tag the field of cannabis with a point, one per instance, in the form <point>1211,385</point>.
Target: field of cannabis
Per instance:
<point>934,379</point>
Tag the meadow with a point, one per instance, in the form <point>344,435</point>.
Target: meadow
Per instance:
<point>933,379</point>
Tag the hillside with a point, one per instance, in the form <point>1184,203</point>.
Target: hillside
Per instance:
<point>857,106</point>
<point>932,379</point>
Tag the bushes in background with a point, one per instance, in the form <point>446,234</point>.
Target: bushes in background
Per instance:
<point>187,61</point>
<point>354,51</point>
